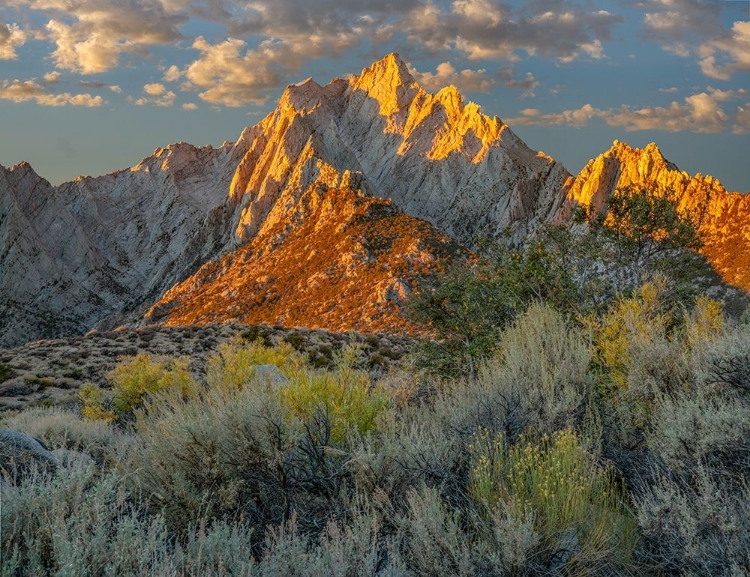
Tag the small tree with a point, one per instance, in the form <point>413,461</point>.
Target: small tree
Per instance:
<point>470,305</point>
<point>644,225</point>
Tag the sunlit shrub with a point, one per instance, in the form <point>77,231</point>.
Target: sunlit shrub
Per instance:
<point>94,404</point>
<point>557,482</point>
<point>236,361</point>
<point>344,396</point>
<point>144,374</point>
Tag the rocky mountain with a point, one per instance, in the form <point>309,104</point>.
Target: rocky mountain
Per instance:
<point>346,262</point>
<point>97,252</point>
<point>323,215</point>
<point>723,217</point>
<point>92,250</point>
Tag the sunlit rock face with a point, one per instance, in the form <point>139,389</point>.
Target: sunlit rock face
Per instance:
<point>437,158</point>
<point>324,214</point>
<point>97,252</point>
<point>340,259</point>
<point>723,217</point>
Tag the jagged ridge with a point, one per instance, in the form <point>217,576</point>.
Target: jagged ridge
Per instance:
<point>724,217</point>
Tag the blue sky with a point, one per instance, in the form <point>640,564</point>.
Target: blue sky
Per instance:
<point>91,86</point>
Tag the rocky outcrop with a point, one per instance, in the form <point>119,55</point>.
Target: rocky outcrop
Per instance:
<point>95,250</point>
<point>340,260</point>
<point>434,156</point>
<point>723,217</point>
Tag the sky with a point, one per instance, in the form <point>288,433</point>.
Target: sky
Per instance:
<point>91,86</point>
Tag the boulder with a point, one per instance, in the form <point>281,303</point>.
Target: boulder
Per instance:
<point>21,455</point>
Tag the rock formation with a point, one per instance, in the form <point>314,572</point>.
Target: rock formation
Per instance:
<point>323,214</point>
<point>723,217</point>
<point>97,252</point>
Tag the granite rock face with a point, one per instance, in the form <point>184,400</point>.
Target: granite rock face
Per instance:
<point>723,217</point>
<point>286,225</point>
<point>98,252</point>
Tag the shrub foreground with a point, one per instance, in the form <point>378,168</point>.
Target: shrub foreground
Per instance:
<point>616,445</point>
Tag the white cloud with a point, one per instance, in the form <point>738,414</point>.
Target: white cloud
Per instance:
<point>90,35</point>
<point>228,74</point>
<point>172,74</point>
<point>29,90</point>
<point>190,106</point>
<point>52,77</point>
<point>670,90</point>
<point>699,113</point>
<point>156,95</point>
<point>446,74</point>
<point>725,95</point>
<point>11,37</point>
<point>154,89</point>
<point>115,88</point>
<point>727,55</point>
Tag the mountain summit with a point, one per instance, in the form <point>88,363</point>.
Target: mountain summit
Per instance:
<point>323,214</point>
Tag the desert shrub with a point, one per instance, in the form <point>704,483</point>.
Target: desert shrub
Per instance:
<point>214,455</point>
<point>235,363</point>
<point>134,378</point>
<point>434,541</point>
<point>696,528</point>
<point>576,505</point>
<point>76,524</point>
<point>6,373</point>
<point>725,362</point>
<point>634,324</point>
<point>62,429</point>
<point>240,453</point>
<point>343,396</point>
<point>543,364</point>
<point>470,304</point>
<point>94,404</point>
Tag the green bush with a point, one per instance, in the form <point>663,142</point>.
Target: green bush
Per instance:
<point>235,363</point>
<point>142,375</point>
<point>343,396</point>
<point>575,504</point>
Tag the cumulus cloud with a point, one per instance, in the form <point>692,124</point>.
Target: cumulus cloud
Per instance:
<point>698,113</point>
<point>30,90</point>
<point>115,88</point>
<point>90,35</point>
<point>694,27</point>
<point>227,73</point>
<point>52,77</point>
<point>155,94</point>
<point>727,55</point>
<point>489,29</point>
<point>676,23</point>
<point>172,74</point>
<point>446,74</point>
<point>670,90</point>
<point>190,106</point>
<point>11,37</point>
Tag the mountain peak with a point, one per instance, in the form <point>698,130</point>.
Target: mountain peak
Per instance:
<point>389,82</point>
